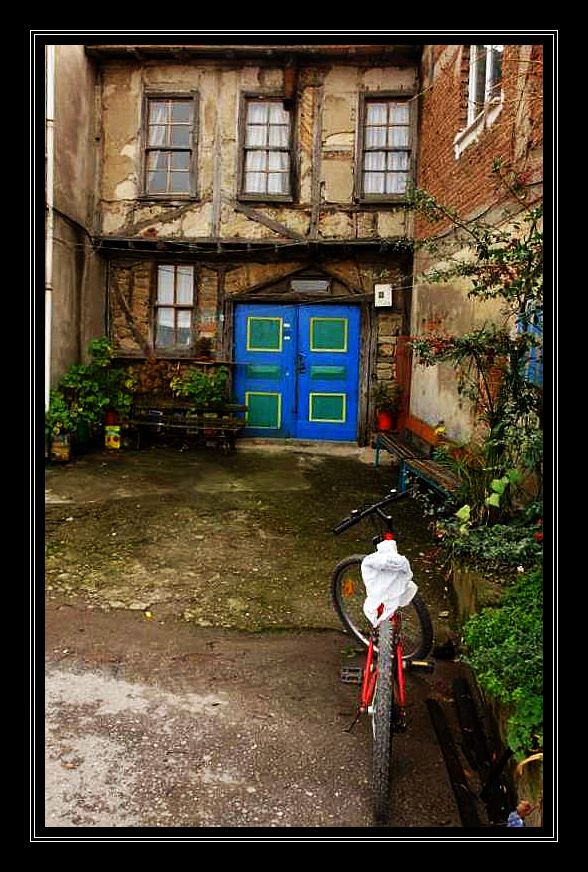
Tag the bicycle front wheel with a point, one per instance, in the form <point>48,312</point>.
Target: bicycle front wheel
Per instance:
<point>382,711</point>
<point>348,593</point>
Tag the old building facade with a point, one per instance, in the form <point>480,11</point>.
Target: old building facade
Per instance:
<point>479,104</point>
<point>257,196</point>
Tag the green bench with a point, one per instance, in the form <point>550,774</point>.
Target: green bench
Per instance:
<point>415,466</point>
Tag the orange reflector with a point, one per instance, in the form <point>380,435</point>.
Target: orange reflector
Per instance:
<point>348,588</point>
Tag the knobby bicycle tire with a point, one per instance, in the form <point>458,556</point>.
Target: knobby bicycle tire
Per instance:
<point>348,593</point>
<point>382,711</point>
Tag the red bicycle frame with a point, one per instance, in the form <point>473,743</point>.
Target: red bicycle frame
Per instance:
<point>370,672</point>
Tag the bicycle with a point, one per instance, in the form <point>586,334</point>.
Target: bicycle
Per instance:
<point>402,641</point>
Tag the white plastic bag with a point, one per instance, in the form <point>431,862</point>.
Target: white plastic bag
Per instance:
<point>387,577</point>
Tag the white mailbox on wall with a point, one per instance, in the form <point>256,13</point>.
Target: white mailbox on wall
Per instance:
<point>383,295</point>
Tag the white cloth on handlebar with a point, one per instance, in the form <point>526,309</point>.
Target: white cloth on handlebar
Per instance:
<point>387,577</point>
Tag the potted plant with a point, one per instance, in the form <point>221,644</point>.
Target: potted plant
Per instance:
<point>387,403</point>
<point>205,390</point>
<point>60,423</point>
<point>87,393</point>
<point>204,348</point>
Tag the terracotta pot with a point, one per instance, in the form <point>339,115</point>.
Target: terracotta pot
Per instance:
<point>385,421</point>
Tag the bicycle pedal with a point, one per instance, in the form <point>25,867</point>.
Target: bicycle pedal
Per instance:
<point>421,665</point>
<point>351,674</point>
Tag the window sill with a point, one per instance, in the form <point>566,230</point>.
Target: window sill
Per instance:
<point>475,129</point>
<point>168,198</point>
<point>264,198</point>
<point>388,199</point>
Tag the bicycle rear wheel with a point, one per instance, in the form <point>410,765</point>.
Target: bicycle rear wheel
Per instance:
<point>348,593</point>
<point>382,711</point>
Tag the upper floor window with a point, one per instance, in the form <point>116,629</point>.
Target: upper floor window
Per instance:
<point>169,150</point>
<point>266,160</point>
<point>385,149</point>
<point>485,77</point>
<point>174,307</point>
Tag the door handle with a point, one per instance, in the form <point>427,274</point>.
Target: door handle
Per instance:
<point>300,363</point>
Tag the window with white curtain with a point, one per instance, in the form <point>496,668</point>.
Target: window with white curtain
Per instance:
<point>174,307</point>
<point>386,144</point>
<point>485,79</point>
<point>169,165</point>
<point>266,149</point>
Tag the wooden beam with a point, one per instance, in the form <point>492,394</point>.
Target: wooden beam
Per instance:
<point>260,218</point>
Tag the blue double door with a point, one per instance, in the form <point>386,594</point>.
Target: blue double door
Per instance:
<point>297,370</point>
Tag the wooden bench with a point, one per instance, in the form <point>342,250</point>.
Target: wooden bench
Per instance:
<point>415,465</point>
<point>219,426</point>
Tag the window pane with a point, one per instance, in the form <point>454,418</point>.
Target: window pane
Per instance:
<point>278,160</point>
<point>278,136</point>
<point>180,183</point>
<point>165,285</point>
<point>157,160</point>
<point>158,112</point>
<point>255,160</point>
<point>185,285</point>
<point>255,183</point>
<point>257,113</point>
<point>180,135</point>
<point>496,70</point>
<point>399,113</point>
<point>165,327</point>
<point>156,183</point>
<point>375,160</point>
<point>375,137</point>
<point>277,183</point>
<point>158,134</point>
<point>397,160</point>
<point>396,183</point>
<point>180,160</point>
<point>277,114</point>
<point>377,113</point>
<point>183,327</point>
<point>181,111</point>
<point>398,136</point>
<point>374,183</point>
<point>256,135</point>
<point>479,75</point>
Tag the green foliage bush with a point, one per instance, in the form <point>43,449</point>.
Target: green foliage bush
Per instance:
<point>87,390</point>
<point>504,646</point>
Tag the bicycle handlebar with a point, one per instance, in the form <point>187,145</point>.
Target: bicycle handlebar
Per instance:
<point>358,515</point>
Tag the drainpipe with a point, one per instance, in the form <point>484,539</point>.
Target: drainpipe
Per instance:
<point>49,213</point>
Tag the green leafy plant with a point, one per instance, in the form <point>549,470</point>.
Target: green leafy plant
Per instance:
<point>504,646</point>
<point>87,390</point>
<point>387,396</point>
<point>491,361</point>
<point>203,389</point>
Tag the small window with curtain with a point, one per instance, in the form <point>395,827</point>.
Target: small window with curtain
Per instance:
<point>266,150</point>
<point>386,144</point>
<point>174,307</point>
<point>170,146</point>
<point>485,81</point>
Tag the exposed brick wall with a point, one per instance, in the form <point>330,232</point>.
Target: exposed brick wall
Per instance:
<point>465,183</point>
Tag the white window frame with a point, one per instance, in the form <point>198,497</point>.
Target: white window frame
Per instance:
<point>487,97</point>
<point>480,119</point>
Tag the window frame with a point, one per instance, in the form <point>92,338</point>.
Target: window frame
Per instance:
<point>384,97</point>
<point>175,350</point>
<point>148,97</point>
<point>473,113</point>
<point>245,98</point>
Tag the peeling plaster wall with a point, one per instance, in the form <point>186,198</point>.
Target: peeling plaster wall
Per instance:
<point>325,135</point>
<point>78,295</point>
